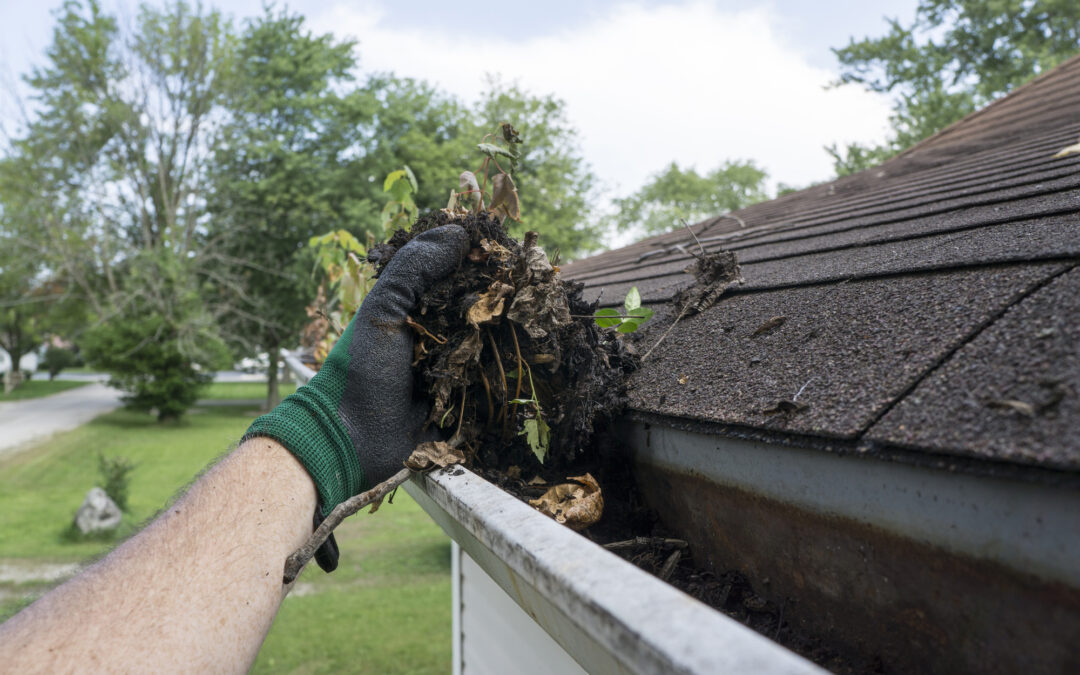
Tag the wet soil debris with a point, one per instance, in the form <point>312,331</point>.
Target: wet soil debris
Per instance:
<point>505,341</point>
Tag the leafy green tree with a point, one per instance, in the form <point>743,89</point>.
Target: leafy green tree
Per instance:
<point>954,58</point>
<point>282,173</point>
<point>676,194</point>
<point>119,153</point>
<point>159,346</point>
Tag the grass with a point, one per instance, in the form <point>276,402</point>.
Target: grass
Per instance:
<point>386,608</point>
<point>245,390</point>
<point>37,389</point>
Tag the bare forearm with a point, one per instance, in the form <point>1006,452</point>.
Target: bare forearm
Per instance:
<point>197,590</point>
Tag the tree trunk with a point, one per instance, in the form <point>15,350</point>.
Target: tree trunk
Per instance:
<point>273,397</point>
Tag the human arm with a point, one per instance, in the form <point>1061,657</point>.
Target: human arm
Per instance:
<point>198,589</point>
<point>195,591</point>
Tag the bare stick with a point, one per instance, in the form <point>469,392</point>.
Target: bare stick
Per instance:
<point>667,332</point>
<point>517,350</point>
<point>300,557</point>
<point>688,229</point>
<point>642,542</point>
<point>669,565</point>
<point>502,374</point>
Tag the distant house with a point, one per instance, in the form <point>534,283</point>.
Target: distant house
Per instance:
<point>881,426</point>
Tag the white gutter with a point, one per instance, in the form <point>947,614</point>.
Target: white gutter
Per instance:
<point>610,616</point>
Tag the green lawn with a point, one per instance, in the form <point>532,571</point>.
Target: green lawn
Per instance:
<point>386,609</point>
<point>237,390</point>
<point>38,388</point>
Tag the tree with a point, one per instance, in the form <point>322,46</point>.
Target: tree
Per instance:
<point>119,150</point>
<point>675,194</point>
<point>954,58</point>
<point>283,174</point>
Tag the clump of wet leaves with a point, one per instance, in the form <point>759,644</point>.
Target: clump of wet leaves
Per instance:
<point>517,371</point>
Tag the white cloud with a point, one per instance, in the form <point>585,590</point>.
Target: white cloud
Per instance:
<point>645,86</point>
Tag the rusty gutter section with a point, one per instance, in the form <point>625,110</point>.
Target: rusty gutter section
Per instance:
<point>918,569</point>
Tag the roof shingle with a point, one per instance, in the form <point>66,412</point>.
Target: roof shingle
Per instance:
<point>881,277</point>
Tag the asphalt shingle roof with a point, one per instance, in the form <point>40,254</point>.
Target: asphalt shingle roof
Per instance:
<point>917,296</point>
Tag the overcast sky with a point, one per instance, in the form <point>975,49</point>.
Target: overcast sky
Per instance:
<point>645,83</point>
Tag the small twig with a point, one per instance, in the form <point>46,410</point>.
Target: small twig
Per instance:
<point>799,393</point>
<point>300,557</point>
<point>517,350</point>
<point>502,374</point>
<point>669,565</point>
<point>487,391</point>
<point>642,542</point>
<point>593,316</point>
<point>461,416</point>
<point>688,229</point>
<point>667,332</point>
<point>423,331</point>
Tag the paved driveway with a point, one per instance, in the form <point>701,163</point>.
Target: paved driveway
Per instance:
<point>24,421</point>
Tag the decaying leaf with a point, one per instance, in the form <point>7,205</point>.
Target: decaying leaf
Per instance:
<point>466,354</point>
<point>537,266</point>
<point>490,305</point>
<point>769,326</point>
<point>576,505</point>
<point>496,251</point>
<point>504,198</point>
<point>432,454</point>
<point>785,407</point>
<point>509,133</point>
<point>468,184</point>
<point>715,273</point>
<point>1069,150</point>
<point>540,309</point>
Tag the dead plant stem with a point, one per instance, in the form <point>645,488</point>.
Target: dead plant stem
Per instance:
<point>294,564</point>
<point>667,332</point>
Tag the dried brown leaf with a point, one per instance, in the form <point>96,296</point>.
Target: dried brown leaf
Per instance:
<point>432,454</point>
<point>504,197</point>
<point>576,505</point>
<point>489,307</point>
<point>540,309</point>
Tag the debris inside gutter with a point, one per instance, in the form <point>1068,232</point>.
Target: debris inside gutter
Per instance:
<point>522,378</point>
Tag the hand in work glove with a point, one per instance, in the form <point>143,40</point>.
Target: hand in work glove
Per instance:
<point>354,424</point>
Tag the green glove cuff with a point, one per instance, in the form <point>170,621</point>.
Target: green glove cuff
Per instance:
<point>308,424</point>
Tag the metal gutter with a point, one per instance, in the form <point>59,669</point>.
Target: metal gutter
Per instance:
<point>610,616</point>
<point>607,614</point>
<point>1019,524</point>
<point>293,363</point>
<point>915,568</point>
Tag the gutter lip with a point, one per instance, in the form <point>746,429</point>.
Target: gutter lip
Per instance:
<point>644,623</point>
<point>866,449</point>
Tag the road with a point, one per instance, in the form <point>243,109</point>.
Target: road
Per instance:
<point>24,421</point>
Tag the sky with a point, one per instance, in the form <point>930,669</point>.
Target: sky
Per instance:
<point>645,83</point>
